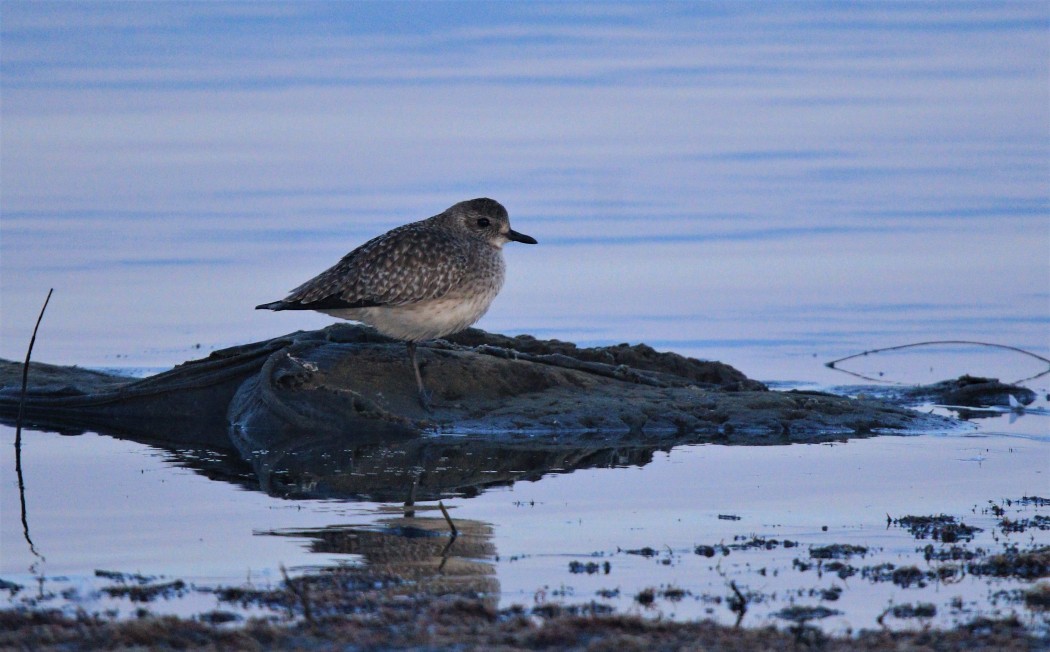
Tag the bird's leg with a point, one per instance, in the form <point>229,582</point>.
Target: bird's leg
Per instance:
<point>424,395</point>
<point>410,502</point>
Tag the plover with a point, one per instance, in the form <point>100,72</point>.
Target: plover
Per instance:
<point>420,281</point>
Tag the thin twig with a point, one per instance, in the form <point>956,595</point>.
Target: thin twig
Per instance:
<point>301,593</point>
<point>739,604</point>
<point>18,428</point>
<point>882,617</point>
<point>451,525</point>
<point>25,371</point>
<point>445,553</point>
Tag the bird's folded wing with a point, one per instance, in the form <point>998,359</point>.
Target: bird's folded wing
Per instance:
<point>388,270</point>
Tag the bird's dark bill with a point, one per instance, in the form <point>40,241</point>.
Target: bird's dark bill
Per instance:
<point>520,237</point>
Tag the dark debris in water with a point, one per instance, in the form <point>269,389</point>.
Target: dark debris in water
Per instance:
<point>590,568</point>
<point>831,593</point>
<point>1038,522</point>
<point>951,553</point>
<point>710,551</point>
<point>1035,501</point>
<point>1038,597</point>
<point>10,587</point>
<point>802,614</point>
<point>917,610</point>
<point>955,562</point>
<point>674,594</point>
<point>843,570</point>
<point>837,551</point>
<point>643,552</point>
<point>646,597</point>
<point>244,597</point>
<point>1029,565</point>
<point>553,610</point>
<point>759,543</point>
<point>147,592</point>
<point>124,578</point>
<point>942,528</point>
<point>219,617</point>
<point>741,542</point>
<point>907,576</point>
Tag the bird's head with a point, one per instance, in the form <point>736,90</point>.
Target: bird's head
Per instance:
<point>487,220</point>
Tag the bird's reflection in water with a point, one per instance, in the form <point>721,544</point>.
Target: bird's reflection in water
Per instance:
<point>418,549</point>
<point>419,553</point>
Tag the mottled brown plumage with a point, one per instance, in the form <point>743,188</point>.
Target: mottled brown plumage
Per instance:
<point>419,281</point>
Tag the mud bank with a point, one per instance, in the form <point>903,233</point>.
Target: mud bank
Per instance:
<point>348,381</point>
<point>334,413</point>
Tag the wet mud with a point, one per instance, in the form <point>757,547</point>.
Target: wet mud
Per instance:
<point>348,381</point>
<point>423,587</point>
<point>419,585</point>
<point>334,413</point>
<point>971,391</point>
<point>463,624</point>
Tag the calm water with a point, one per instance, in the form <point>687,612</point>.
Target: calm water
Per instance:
<point>773,186</point>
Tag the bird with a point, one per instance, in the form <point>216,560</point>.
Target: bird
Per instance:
<point>420,281</point>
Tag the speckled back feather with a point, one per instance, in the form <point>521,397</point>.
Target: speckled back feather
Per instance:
<point>412,263</point>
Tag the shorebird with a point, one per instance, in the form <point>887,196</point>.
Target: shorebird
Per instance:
<point>420,281</point>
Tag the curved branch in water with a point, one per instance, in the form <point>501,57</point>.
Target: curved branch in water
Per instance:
<point>18,429</point>
<point>831,365</point>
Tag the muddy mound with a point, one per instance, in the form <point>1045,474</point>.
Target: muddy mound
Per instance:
<point>971,391</point>
<point>334,380</point>
<point>349,382</point>
<point>334,412</point>
<point>639,356</point>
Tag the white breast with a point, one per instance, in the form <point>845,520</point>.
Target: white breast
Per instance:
<point>427,320</point>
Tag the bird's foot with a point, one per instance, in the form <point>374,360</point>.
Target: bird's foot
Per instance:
<point>424,400</point>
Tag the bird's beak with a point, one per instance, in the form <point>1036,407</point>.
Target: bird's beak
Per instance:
<point>520,237</point>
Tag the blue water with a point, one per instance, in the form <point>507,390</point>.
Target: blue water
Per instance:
<point>773,185</point>
<point>756,184</point>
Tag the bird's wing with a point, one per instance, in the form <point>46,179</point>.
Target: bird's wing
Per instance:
<point>400,267</point>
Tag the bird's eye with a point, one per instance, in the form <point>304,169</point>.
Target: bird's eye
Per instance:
<point>483,222</point>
